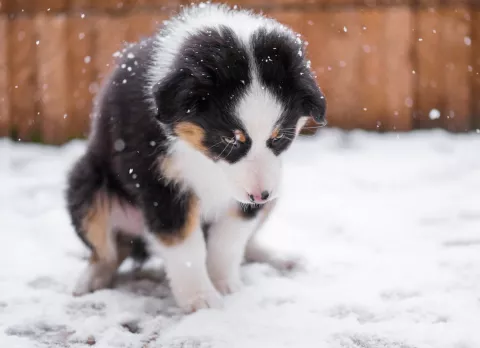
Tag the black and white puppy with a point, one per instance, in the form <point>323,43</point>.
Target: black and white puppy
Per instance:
<point>185,153</point>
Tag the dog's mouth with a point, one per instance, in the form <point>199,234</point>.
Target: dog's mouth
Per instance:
<point>250,205</point>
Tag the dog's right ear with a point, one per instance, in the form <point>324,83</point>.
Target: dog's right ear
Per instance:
<point>173,96</point>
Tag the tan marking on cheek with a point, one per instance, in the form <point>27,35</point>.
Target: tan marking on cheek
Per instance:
<point>192,222</point>
<point>240,136</point>
<point>192,134</point>
<point>95,225</point>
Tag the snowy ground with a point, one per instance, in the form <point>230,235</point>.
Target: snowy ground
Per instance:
<point>389,224</point>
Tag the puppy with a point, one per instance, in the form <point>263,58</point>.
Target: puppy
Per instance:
<point>184,156</point>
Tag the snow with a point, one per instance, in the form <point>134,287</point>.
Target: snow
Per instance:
<point>388,225</point>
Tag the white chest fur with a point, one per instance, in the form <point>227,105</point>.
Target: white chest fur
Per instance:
<point>203,176</point>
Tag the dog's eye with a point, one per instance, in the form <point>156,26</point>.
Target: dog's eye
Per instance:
<point>277,138</point>
<point>230,141</point>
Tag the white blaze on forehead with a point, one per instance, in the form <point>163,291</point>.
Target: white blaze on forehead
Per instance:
<point>259,111</point>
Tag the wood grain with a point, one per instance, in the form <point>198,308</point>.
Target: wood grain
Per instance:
<point>475,70</point>
<point>110,35</point>
<point>4,86</point>
<point>22,78</point>
<point>81,75</point>
<point>336,59</point>
<point>141,25</point>
<point>52,68</point>
<point>443,50</point>
<point>398,70</point>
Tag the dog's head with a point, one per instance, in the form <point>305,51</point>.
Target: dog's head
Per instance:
<point>241,104</point>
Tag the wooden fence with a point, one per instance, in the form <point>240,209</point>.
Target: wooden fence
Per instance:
<point>384,65</point>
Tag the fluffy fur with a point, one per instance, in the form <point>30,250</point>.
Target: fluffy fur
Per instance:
<point>184,155</point>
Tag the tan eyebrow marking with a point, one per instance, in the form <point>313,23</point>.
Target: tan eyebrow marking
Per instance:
<point>240,136</point>
<point>275,133</point>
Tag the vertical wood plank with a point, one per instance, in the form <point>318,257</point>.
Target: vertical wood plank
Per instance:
<point>19,6</point>
<point>443,49</point>
<point>23,87</point>
<point>293,19</point>
<point>50,5</point>
<point>475,68</point>
<point>79,4</point>
<point>141,25</point>
<point>4,99</point>
<point>110,36</point>
<point>398,71</point>
<point>81,75</point>
<point>370,75</point>
<point>112,5</point>
<point>160,4</point>
<point>53,76</point>
<point>333,48</point>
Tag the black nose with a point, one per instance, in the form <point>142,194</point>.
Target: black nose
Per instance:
<point>265,195</point>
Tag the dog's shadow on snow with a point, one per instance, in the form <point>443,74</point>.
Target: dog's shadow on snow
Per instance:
<point>152,282</point>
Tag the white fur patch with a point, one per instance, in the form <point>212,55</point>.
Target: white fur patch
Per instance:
<point>227,239</point>
<point>186,269</point>
<point>201,174</point>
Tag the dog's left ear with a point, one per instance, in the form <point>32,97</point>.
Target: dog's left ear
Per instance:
<point>316,105</point>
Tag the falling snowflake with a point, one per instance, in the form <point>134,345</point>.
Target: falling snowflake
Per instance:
<point>409,102</point>
<point>434,114</point>
<point>119,145</point>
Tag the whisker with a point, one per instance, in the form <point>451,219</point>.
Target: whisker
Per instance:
<point>220,156</point>
<point>214,145</point>
<point>229,151</point>
<point>288,132</point>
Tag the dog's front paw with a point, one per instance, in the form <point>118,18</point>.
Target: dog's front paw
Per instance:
<point>192,301</point>
<point>283,262</point>
<point>92,279</point>
<point>228,286</point>
<point>287,263</point>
